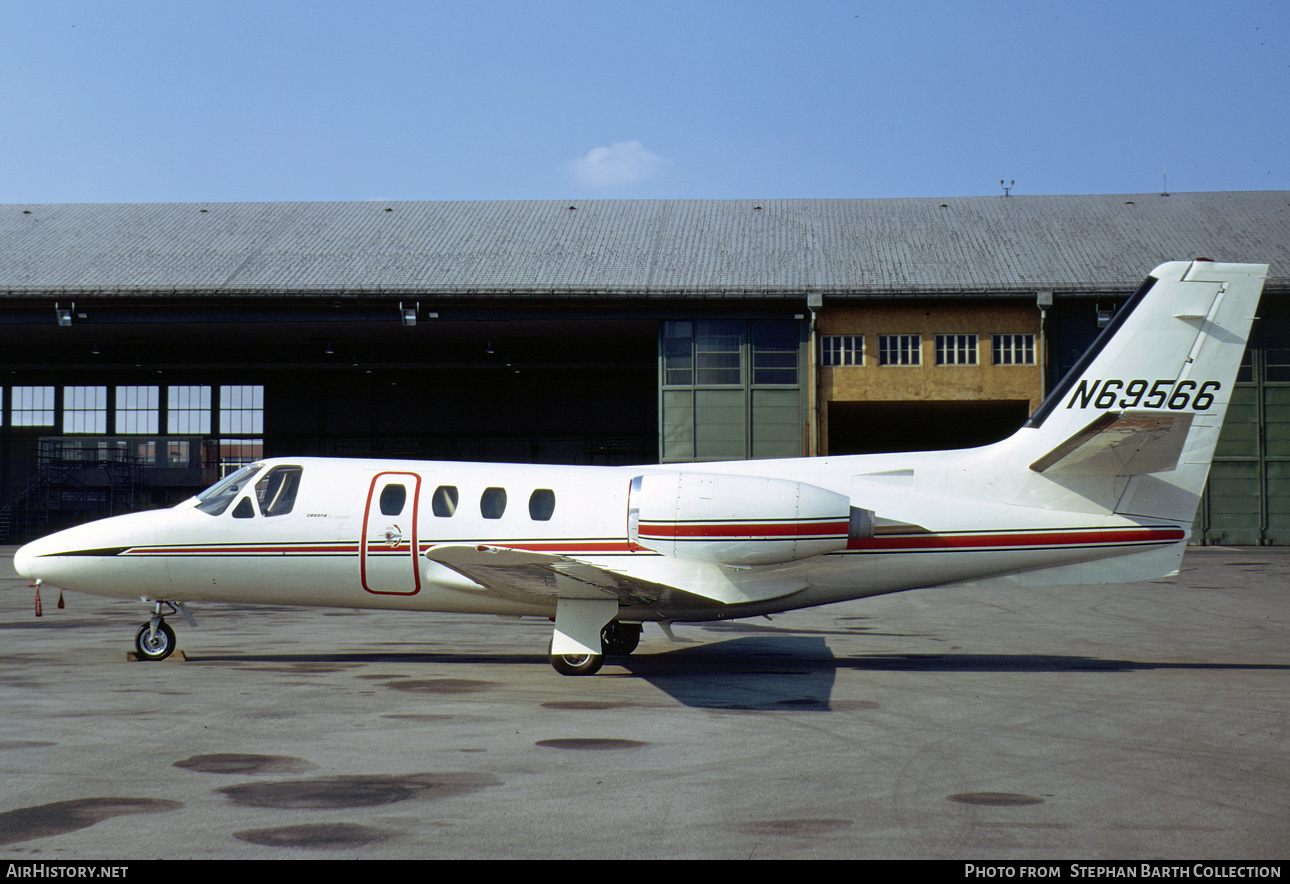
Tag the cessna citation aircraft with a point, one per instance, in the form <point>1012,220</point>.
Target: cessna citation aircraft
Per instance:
<point>1099,486</point>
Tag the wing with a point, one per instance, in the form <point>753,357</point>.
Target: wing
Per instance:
<point>542,578</point>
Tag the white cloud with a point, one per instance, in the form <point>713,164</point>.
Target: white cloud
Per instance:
<point>623,162</point>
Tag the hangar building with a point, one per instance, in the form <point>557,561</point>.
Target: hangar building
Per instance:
<point>145,349</point>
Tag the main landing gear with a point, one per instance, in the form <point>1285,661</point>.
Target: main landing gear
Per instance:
<point>155,640</point>
<point>616,638</point>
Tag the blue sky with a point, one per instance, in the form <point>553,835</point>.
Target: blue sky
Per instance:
<point>187,101</point>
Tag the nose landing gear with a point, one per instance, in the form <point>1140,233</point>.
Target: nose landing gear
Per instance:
<point>155,640</point>
<point>154,643</point>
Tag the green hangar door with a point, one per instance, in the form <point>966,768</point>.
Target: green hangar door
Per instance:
<point>1247,500</point>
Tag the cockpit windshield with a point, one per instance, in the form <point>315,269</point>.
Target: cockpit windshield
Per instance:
<point>215,499</point>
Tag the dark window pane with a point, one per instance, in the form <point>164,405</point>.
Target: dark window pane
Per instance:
<point>444,502</point>
<point>493,503</point>
<point>678,353</point>
<point>542,504</point>
<point>392,499</point>
<point>716,351</point>
<point>277,490</point>
<point>774,346</point>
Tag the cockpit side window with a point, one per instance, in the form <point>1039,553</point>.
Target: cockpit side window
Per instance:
<point>215,499</point>
<point>244,509</point>
<point>276,492</point>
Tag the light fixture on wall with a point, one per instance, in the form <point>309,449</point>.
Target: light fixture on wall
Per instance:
<point>409,314</point>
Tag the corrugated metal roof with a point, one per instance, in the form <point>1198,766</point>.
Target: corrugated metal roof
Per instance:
<point>991,244</point>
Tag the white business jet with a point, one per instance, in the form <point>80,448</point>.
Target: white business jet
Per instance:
<point>1100,485</point>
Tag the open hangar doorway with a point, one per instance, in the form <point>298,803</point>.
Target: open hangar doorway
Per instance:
<point>875,427</point>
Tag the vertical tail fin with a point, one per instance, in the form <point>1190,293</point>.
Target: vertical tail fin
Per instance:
<point>1133,426</point>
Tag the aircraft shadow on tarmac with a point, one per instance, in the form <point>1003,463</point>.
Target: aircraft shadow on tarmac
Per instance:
<point>798,672</point>
<point>775,670</point>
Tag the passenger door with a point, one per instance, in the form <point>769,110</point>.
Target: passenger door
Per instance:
<point>388,550</point>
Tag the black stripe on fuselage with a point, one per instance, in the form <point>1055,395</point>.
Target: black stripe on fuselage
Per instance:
<point>107,551</point>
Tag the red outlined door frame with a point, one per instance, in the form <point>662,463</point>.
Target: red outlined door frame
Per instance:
<point>404,547</point>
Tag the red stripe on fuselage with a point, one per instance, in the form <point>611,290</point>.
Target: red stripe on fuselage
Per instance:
<point>725,530</point>
<point>1017,539</point>
<point>893,543</point>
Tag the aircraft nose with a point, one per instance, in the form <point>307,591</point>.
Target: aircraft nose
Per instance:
<point>27,561</point>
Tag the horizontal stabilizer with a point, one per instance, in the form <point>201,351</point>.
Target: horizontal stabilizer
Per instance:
<point>1123,443</point>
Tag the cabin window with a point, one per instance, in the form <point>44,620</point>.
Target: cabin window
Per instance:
<point>444,502</point>
<point>277,490</point>
<point>215,499</point>
<point>493,503</point>
<point>541,504</point>
<point>392,499</point>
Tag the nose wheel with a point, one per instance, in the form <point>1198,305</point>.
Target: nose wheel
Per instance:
<point>154,643</point>
<point>155,640</point>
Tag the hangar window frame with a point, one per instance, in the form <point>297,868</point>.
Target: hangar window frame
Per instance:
<point>900,350</point>
<point>718,352</point>
<point>241,409</point>
<point>840,351</point>
<point>138,410</point>
<point>957,349</point>
<point>678,353</point>
<point>33,406</point>
<point>85,409</point>
<point>775,350</point>
<point>711,353</point>
<point>188,409</point>
<point>1012,349</point>
<point>237,453</point>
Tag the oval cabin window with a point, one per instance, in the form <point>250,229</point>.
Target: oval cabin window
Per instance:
<point>541,504</point>
<point>493,503</point>
<point>444,501</point>
<point>392,499</point>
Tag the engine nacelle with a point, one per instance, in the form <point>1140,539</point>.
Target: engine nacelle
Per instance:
<point>740,520</point>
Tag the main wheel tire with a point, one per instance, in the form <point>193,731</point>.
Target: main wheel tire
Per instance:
<point>157,646</point>
<point>577,664</point>
<point>620,638</point>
